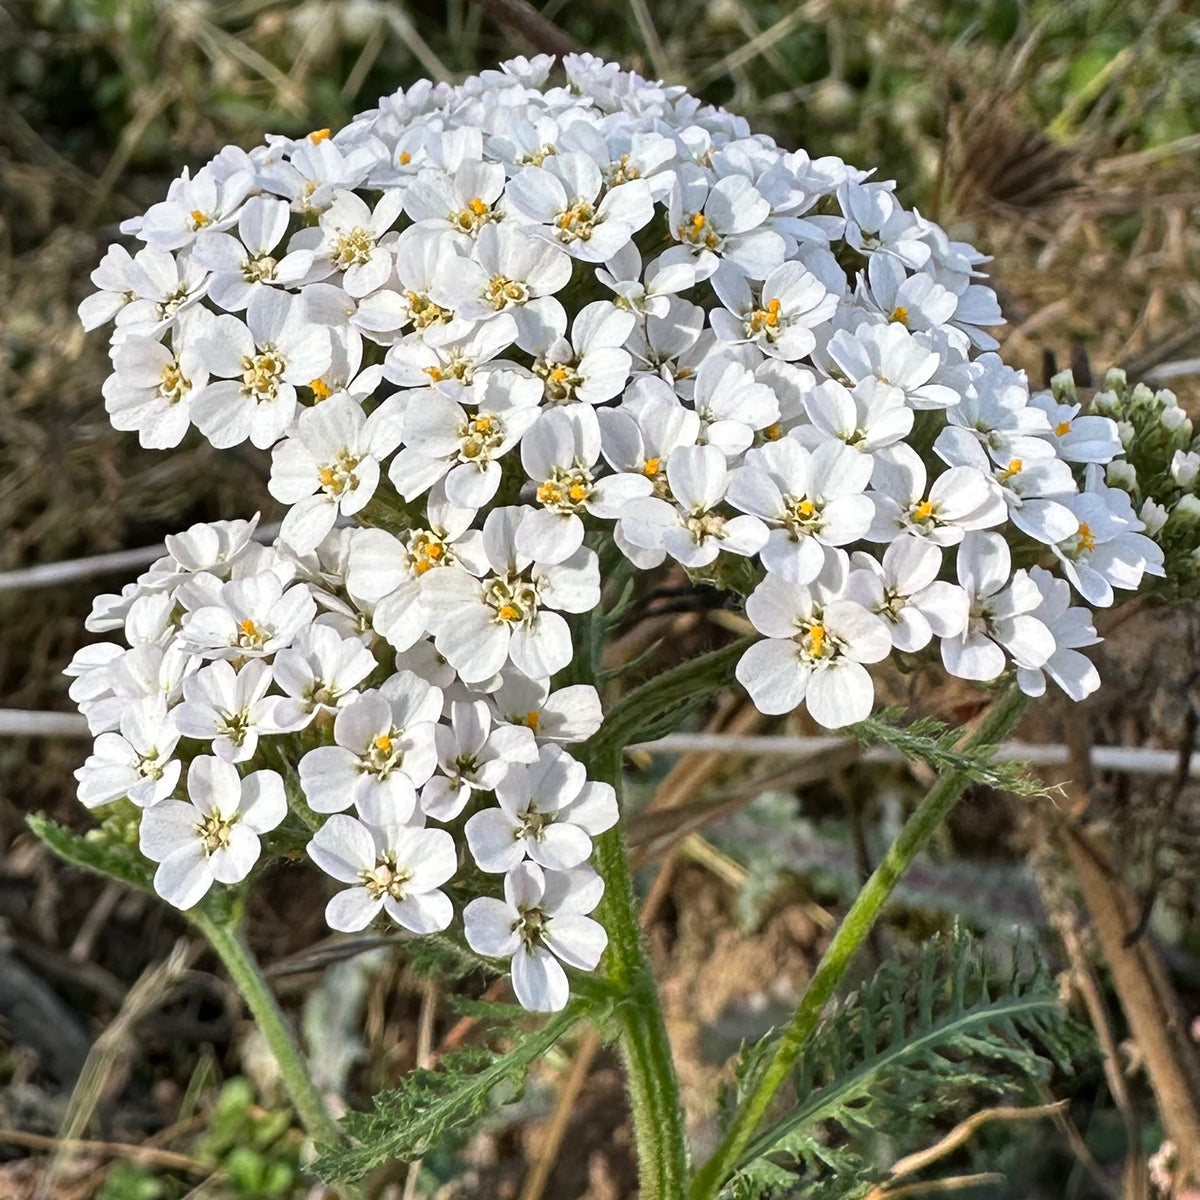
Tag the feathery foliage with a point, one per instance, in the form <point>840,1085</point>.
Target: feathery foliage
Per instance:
<point>428,1105</point>
<point>935,743</point>
<point>915,1042</point>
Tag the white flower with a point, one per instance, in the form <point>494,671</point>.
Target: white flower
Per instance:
<point>480,624</point>
<point>559,455</point>
<point>195,204</point>
<point>1071,628</point>
<point>384,751</point>
<point>320,673</point>
<point>514,272</point>
<point>335,452</point>
<point>562,199</point>
<point>895,357</point>
<point>689,530</point>
<point>570,714</point>
<point>875,222</point>
<point>1108,550</point>
<point>350,239</point>
<point>594,365</point>
<point>1085,439</point>
<point>1001,608</point>
<point>251,617</point>
<point>258,364</point>
<point>163,287</point>
<point>870,416</point>
<point>1034,489</point>
<point>666,275</point>
<point>548,812</point>
<point>462,201</point>
<point>813,651</point>
<point>394,868</point>
<point>780,322</point>
<point>443,441</point>
<point>639,436</point>
<point>244,264</point>
<point>960,499</point>
<point>810,499</point>
<point>213,837</point>
<point>229,708</point>
<point>723,225</point>
<point>732,404</point>
<point>474,754</point>
<point>135,764</point>
<point>151,387</point>
<point>385,571</point>
<point>539,922</point>
<point>905,591</point>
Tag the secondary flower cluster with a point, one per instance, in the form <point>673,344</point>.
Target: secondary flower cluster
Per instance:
<point>482,329</point>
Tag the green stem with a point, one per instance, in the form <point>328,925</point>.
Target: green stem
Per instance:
<point>653,1090</point>
<point>859,921</point>
<point>226,939</point>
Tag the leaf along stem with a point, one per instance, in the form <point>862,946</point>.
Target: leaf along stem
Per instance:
<point>858,922</point>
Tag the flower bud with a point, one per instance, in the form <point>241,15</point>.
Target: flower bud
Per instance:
<point>1127,433</point>
<point>1185,467</point>
<point>1062,388</point>
<point>1115,381</point>
<point>1186,512</point>
<point>1106,404</point>
<point>1174,418</point>
<point>1120,473</point>
<point>1153,516</point>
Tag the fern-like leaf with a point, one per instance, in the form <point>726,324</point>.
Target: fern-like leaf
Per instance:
<point>430,1104</point>
<point>110,851</point>
<point>932,742</point>
<point>894,1057</point>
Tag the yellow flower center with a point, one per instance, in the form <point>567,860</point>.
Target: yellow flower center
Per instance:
<point>899,315</point>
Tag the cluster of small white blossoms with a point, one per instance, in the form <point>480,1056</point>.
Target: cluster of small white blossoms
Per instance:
<point>479,329</point>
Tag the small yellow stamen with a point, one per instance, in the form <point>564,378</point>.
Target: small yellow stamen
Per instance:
<point>321,389</point>
<point>483,424</point>
<point>1013,468</point>
<point>899,315</point>
<point>477,206</point>
<point>249,628</point>
<point>1061,428</point>
<point>1087,539</point>
<point>327,477</point>
<point>806,509</point>
<point>506,612</point>
<point>816,642</point>
<point>532,719</point>
<point>652,467</point>
<point>436,374</point>
<point>698,222</point>
<point>383,744</point>
<point>773,433</point>
<point>404,158</point>
<point>318,136</point>
<point>435,550</point>
<point>549,493</point>
<point>577,492</point>
<point>924,510</point>
<point>200,219</point>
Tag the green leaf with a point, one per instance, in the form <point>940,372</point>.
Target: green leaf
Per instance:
<point>934,743</point>
<point>108,851</point>
<point>429,1104</point>
<point>914,1043</point>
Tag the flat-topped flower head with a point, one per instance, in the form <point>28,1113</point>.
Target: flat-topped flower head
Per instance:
<point>509,344</point>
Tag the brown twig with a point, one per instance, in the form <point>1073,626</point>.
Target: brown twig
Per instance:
<point>959,1135</point>
<point>521,18</point>
<point>168,1160</point>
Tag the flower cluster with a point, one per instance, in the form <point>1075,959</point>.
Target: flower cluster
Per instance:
<point>484,331</point>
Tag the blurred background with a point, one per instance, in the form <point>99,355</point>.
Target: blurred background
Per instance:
<point>1060,136</point>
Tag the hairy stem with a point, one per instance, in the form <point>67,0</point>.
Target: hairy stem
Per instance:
<point>859,921</point>
<point>226,939</point>
<point>645,1049</point>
